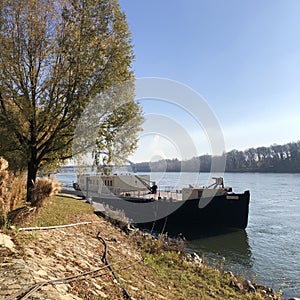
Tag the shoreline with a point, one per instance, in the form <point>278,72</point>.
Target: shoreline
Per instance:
<point>57,253</point>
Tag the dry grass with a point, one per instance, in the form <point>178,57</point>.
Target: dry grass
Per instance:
<point>13,207</point>
<point>12,190</point>
<point>17,192</point>
<point>43,189</point>
<point>117,217</point>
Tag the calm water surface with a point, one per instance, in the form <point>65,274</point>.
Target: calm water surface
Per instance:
<point>268,251</point>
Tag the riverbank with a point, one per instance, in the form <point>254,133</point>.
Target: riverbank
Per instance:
<point>67,263</point>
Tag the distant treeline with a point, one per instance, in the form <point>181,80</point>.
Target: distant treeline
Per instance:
<point>276,158</point>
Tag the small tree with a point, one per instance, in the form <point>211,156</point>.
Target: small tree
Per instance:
<point>55,57</point>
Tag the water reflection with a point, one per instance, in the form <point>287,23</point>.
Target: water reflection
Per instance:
<point>233,245</point>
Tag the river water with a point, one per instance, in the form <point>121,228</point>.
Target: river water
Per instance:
<point>268,251</point>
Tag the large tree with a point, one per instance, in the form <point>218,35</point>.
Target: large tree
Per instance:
<point>55,58</point>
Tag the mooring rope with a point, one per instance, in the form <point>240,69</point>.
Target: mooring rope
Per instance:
<point>152,228</point>
<point>166,220</point>
<point>105,260</point>
<point>59,226</point>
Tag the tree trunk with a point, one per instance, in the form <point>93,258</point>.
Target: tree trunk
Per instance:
<point>32,166</point>
<point>31,177</point>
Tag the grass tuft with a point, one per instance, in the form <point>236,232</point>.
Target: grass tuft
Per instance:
<point>43,189</point>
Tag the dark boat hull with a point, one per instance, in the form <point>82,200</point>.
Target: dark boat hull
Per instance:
<point>225,211</point>
<point>220,213</point>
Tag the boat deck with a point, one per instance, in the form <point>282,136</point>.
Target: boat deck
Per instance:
<point>165,195</point>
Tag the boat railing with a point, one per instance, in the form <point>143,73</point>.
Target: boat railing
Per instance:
<point>170,195</point>
<point>164,194</point>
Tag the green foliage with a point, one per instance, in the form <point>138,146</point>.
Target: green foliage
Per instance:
<point>55,58</point>
<point>280,291</point>
<point>10,148</point>
<point>5,223</point>
<point>276,158</point>
<point>106,130</point>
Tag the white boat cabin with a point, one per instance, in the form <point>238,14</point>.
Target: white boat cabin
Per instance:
<point>140,186</point>
<point>116,184</point>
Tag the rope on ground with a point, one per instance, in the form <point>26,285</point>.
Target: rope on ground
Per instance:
<point>27,292</point>
<point>58,226</point>
<point>105,260</point>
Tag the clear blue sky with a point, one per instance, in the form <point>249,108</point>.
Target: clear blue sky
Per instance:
<point>243,57</point>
